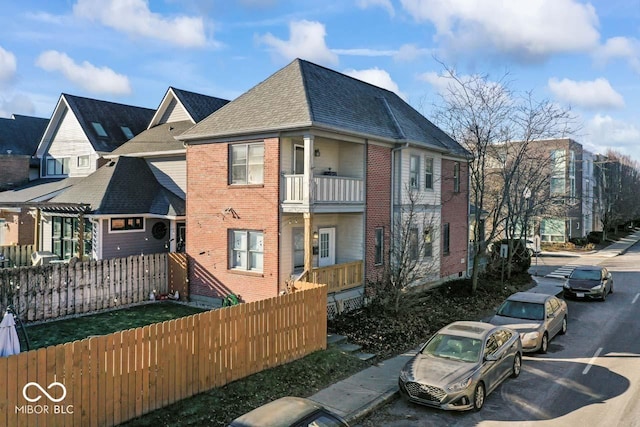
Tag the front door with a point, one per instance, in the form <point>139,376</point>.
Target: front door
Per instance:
<point>182,236</point>
<point>326,247</point>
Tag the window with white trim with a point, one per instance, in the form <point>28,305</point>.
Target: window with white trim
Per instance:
<point>414,171</point>
<point>84,161</point>
<point>246,163</point>
<point>428,242</point>
<point>428,173</point>
<point>135,223</point>
<point>57,166</point>
<point>246,250</point>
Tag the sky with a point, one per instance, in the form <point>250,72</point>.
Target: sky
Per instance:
<point>577,54</point>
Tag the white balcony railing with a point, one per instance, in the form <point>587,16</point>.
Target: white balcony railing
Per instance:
<point>324,189</point>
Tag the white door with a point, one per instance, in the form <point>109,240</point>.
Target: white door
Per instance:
<point>326,247</point>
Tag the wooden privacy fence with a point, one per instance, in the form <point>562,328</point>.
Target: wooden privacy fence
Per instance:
<point>107,380</point>
<point>20,256</point>
<point>50,291</point>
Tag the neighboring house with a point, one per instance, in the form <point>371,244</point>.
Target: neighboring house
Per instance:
<point>566,180</point>
<point>303,176</point>
<point>135,203</point>
<point>19,138</point>
<point>19,207</point>
<point>80,132</point>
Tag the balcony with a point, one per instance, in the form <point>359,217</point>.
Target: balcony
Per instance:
<point>325,189</point>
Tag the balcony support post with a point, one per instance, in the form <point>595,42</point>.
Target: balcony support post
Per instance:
<point>308,241</point>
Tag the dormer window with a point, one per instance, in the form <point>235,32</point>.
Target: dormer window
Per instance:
<point>127,132</point>
<point>99,129</point>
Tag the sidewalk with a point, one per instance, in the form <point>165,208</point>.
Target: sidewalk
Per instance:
<point>363,392</point>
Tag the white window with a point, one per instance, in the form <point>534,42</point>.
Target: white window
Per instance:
<point>84,161</point>
<point>247,163</point>
<point>57,166</point>
<point>247,250</point>
<point>414,171</point>
<point>428,173</point>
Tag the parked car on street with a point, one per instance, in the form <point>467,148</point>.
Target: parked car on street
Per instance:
<point>290,412</point>
<point>589,281</point>
<point>460,365</point>
<point>536,317</point>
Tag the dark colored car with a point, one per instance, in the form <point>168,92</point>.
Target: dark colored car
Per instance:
<point>537,317</point>
<point>289,412</point>
<point>591,282</point>
<point>460,365</point>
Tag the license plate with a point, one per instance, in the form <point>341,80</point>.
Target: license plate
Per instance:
<point>580,294</point>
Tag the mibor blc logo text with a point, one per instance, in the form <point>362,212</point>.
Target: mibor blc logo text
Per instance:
<point>55,392</point>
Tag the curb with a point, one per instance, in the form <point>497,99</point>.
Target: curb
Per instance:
<point>386,397</point>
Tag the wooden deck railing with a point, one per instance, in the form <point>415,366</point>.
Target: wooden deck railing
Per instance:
<point>327,189</point>
<point>339,277</point>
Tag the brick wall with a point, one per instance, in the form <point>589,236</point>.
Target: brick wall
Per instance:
<point>208,225</point>
<point>378,208</point>
<point>455,212</point>
<point>15,171</point>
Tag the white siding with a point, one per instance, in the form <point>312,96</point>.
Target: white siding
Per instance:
<point>286,154</point>
<point>349,235</point>
<point>70,141</point>
<point>171,173</point>
<point>431,197</point>
<point>46,234</point>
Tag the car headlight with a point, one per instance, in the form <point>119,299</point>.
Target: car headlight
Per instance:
<point>529,336</point>
<point>597,288</point>
<point>566,285</point>
<point>460,385</point>
<point>404,375</point>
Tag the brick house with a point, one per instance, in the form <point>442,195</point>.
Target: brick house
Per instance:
<point>301,177</point>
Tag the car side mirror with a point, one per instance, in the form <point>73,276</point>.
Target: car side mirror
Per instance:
<point>491,357</point>
<point>550,316</point>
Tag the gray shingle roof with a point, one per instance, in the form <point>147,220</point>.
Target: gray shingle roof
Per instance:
<point>37,190</point>
<point>111,116</point>
<point>304,94</point>
<point>197,105</point>
<point>20,135</point>
<point>157,139</point>
<point>125,185</point>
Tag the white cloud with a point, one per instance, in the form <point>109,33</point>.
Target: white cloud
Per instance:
<point>306,40</point>
<point>604,132</point>
<point>85,75</point>
<point>8,65</point>
<point>18,104</point>
<point>133,17</point>
<point>385,4</point>
<point>526,30</point>
<point>409,52</point>
<point>377,77</point>
<point>364,52</point>
<point>593,94</point>
<point>619,48</point>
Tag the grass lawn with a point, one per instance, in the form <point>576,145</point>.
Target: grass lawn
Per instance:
<point>63,331</point>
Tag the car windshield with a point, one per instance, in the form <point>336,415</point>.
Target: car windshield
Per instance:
<point>522,310</point>
<point>454,347</point>
<point>585,274</point>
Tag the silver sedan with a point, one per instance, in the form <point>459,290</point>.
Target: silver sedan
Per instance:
<point>460,365</point>
<point>537,318</point>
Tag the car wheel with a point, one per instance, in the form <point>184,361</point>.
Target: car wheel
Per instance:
<point>478,397</point>
<point>544,345</point>
<point>517,366</point>
<point>611,288</point>
<point>563,330</point>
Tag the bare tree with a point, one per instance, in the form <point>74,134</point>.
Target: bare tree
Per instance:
<point>413,253</point>
<point>481,114</point>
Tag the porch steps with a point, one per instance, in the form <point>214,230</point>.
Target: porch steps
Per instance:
<point>340,342</point>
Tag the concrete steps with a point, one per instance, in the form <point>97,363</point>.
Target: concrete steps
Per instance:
<point>341,343</point>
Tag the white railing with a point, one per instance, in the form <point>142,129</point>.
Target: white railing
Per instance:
<point>327,189</point>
